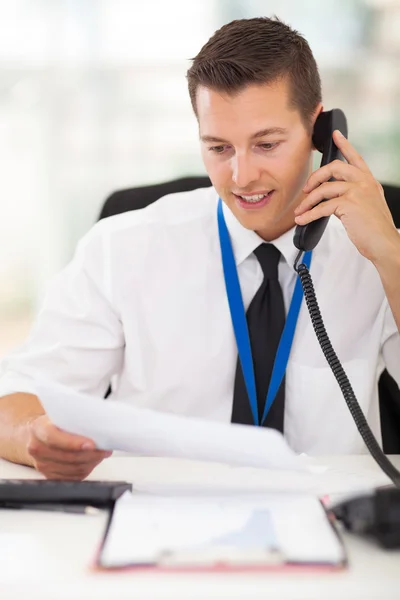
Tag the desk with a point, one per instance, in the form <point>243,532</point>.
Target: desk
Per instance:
<point>53,551</point>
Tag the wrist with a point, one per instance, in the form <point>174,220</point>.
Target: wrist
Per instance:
<point>23,436</point>
<point>18,411</point>
<point>388,258</point>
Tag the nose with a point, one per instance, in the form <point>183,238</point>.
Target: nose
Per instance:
<point>244,170</point>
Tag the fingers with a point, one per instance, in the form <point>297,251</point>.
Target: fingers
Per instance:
<point>47,433</point>
<point>324,209</point>
<point>56,465</point>
<point>354,170</point>
<point>55,471</point>
<point>336,169</point>
<point>61,455</point>
<point>349,152</point>
<point>38,449</point>
<point>325,191</point>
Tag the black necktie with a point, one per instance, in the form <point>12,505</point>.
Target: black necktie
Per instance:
<point>265,320</point>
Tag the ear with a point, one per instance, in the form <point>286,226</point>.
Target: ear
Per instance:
<point>317,112</point>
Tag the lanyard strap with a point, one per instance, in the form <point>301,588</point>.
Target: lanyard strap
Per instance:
<point>239,322</point>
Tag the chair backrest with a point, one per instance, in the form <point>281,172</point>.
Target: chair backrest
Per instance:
<point>392,195</point>
<point>389,393</point>
<point>140,197</point>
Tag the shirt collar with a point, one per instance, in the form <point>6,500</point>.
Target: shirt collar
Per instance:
<point>245,241</point>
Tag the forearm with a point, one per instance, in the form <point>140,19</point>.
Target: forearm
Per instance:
<point>389,271</point>
<point>16,410</point>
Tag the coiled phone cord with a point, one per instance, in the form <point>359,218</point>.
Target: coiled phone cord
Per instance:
<point>340,375</point>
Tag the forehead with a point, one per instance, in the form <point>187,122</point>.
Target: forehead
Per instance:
<point>254,108</point>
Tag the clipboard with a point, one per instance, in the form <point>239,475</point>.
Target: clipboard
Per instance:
<point>220,533</point>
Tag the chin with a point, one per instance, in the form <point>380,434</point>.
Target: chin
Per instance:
<point>256,224</point>
<point>261,220</point>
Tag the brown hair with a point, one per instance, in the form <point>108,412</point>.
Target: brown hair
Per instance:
<point>258,51</point>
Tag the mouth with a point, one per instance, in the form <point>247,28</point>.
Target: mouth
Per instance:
<point>254,201</point>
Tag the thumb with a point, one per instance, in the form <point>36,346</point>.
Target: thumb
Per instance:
<point>52,436</point>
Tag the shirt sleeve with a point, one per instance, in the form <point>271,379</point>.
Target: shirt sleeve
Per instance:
<point>77,339</point>
<point>391,345</point>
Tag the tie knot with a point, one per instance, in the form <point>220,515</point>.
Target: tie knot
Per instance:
<point>268,256</point>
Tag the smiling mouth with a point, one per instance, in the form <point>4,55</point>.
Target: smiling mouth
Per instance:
<point>254,200</point>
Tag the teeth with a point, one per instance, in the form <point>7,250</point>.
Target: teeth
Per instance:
<point>254,198</point>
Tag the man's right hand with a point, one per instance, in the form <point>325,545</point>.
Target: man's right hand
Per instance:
<point>58,454</point>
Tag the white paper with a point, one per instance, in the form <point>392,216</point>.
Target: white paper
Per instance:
<point>116,425</point>
<point>240,529</point>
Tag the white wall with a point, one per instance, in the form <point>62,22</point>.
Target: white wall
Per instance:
<point>93,98</point>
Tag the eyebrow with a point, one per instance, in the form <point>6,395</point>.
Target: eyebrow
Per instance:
<point>262,133</point>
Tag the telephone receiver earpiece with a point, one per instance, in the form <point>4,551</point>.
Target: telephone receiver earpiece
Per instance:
<point>306,237</point>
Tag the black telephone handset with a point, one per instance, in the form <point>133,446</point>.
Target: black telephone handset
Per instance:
<point>306,237</point>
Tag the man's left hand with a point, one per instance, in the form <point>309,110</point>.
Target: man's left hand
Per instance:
<point>356,198</point>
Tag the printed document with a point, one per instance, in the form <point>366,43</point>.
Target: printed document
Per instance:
<point>115,425</point>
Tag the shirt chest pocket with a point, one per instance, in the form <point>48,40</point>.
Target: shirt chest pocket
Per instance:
<point>317,418</point>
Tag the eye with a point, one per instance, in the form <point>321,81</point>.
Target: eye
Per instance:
<point>217,149</point>
<point>269,145</point>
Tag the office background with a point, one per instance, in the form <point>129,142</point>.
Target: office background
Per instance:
<point>93,98</point>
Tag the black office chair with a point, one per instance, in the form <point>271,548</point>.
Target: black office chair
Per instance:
<point>140,197</point>
<point>389,393</point>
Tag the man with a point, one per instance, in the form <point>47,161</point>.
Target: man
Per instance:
<point>145,298</point>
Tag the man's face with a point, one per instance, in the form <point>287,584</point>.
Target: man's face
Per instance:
<point>257,153</point>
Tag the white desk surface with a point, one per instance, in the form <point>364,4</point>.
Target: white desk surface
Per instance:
<point>52,552</point>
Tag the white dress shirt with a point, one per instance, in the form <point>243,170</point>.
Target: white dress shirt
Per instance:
<point>143,303</point>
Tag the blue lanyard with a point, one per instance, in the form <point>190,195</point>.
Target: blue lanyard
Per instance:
<point>239,322</point>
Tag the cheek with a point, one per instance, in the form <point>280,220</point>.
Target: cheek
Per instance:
<point>302,172</point>
<point>210,165</point>
<point>296,170</point>
<point>218,171</point>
